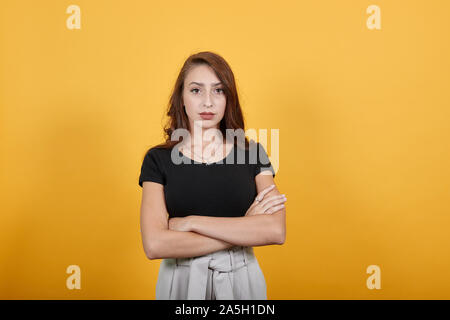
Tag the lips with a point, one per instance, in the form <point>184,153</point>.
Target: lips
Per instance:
<point>207,115</point>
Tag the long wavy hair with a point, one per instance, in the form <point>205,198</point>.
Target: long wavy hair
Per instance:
<point>233,117</point>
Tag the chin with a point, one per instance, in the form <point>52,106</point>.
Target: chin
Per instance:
<point>209,125</point>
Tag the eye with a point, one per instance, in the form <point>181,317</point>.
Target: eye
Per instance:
<point>220,89</point>
<point>194,89</point>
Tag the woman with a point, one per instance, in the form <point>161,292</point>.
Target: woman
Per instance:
<point>202,212</point>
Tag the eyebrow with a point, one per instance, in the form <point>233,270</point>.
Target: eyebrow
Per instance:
<point>201,84</point>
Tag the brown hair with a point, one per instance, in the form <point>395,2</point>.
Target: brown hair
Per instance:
<point>232,119</point>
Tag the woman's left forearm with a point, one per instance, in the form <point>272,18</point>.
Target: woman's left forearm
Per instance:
<point>255,230</point>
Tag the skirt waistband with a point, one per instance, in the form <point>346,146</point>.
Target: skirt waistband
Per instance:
<point>226,260</point>
<point>212,276</point>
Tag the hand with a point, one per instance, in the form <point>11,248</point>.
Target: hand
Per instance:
<point>180,224</point>
<point>266,206</point>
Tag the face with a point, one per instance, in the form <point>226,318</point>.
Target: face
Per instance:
<point>203,93</point>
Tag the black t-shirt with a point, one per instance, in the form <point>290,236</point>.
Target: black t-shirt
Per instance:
<point>225,188</point>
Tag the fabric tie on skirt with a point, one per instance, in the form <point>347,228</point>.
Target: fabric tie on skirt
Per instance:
<point>223,275</point>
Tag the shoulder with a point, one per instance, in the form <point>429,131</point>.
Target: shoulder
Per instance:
<point>260,147</point>
<point>256,150</point>
<point>254,145</point>
<point>157,156</point>
<point>260,160</point>
<point>157,152</point>
<point>253,152</point>
<point>153,166</point>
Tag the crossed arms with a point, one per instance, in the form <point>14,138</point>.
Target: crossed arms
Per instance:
<point>198,235</point>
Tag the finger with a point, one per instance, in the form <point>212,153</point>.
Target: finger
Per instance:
<point>263,193</point>
<point>278,196</point>
<point>275,209</point>
<point>274,203</point>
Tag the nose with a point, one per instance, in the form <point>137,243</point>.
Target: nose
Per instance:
<point>207,101</point>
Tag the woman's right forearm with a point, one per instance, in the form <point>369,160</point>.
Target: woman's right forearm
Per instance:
<point>182,244</point>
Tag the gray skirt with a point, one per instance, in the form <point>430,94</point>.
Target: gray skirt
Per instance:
<point>229,274</point>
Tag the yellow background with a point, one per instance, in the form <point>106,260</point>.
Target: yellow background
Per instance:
<point>364,139</point>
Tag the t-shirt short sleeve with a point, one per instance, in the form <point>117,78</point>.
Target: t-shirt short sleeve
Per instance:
<point>151,168</point>
<point>263,162</point>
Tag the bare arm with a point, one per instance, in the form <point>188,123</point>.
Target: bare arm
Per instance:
<point>258,230</point>
<point>159,242</point>
<point>253,230</point>
<point>181,244</point>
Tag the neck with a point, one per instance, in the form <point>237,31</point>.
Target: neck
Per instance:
<point>200,138</point>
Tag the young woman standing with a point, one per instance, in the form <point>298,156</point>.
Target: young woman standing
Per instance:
<point>203,208</point>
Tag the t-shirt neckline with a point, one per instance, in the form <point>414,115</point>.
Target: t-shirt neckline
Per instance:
<point>206,163</point>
